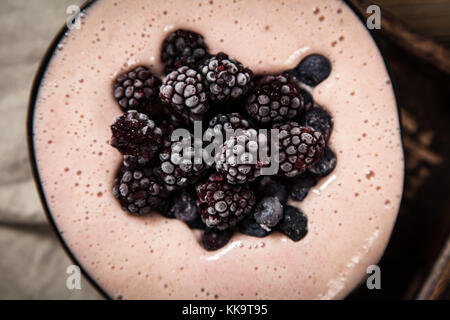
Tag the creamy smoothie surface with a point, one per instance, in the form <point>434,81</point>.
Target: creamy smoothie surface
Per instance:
<point>350,213</point>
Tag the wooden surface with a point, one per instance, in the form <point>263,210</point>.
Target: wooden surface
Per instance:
<point>413,40</point>
<point>429,18</point>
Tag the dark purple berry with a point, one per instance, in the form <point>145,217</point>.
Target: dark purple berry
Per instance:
<point>319,119</point>
<point>300,186</point>
<point>221,204</point>
<point>313,69</point>
<point>214,239</point>
<point>177,167</point>
<point>268,212</point>
<point>293,224</point>
<point>138,191</point>
<point>136,136</point>
<point>299,148</point>
<point>252,228</point>
<point>268,186</point>
<point>138,89</point>
<point>275,98</point>
<point>184,206</point>
<point>225,78</point>
<point>241,157</point>
<point>307,99</point>
<point>197,223</point>
<point>325,165</point>
<point>183,48</point>
<point>183,92</point>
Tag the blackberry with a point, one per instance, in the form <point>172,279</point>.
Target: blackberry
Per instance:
<point>313,69</point>
<point>184,206</point>
<point>268,212</point>
<point>325,165</point>
<point>225,78</point>
<point>239,158</point>
<point>299,148</point>
<point>267,186</point>
<point>138,89</point>
<point>301,185</point>
<point>275,98</point>
<point>222,204</point>
<point>136,136</point>
<point>223,123</point>
<point>183,48</point>
<point>293,224</point>
<point>138,191</point>
<point>319,119</point>
<point>219,127</point>
<point>182,90</point>
<point>252,228</point>
<point>214,239</point>
<point>177,167</point>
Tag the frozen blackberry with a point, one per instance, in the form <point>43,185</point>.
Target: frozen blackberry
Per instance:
<point>325,165</point>
<point>182,90</point>
<point>136,136</point>
<point>293,224</point>
<point>223,123</point>
<point>225,78</point>
<point>241,157</point>
<point>301,185</point>
<point>252,228</point>
<point>138,89</point>
<point>313,69</point>
<point>299,148</point>
<point>183,48</point>
<point>319,119</point>
<point>184,206</point>
<point>138,191</point>
<point>220,127</point>
<point>222,204</point>
<point>275,98</point>
<point>214,239</point>
<point>267,186</point>
<point>268,212</point>
<point>177,167</point>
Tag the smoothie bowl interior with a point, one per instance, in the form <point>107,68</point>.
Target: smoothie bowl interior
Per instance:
<point>350,212</point>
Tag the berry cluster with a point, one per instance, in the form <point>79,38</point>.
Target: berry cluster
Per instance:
<point>228,191</point>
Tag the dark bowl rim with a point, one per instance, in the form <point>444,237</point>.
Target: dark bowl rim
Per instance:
<point>44,63</point>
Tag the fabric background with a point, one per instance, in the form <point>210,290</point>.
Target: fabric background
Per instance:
<point>32,261</point>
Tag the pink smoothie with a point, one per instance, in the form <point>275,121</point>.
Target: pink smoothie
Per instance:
<point>351,212</point>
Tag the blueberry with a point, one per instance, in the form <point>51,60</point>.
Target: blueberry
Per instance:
<point>325,165</point>
<point>307,99</point>
<point>313,69</point>
<point>214,239</point>
<point>319,119</point>
<point>268,212</point>
<point>300,186</point>
<point>164,208</point>
<point>270,187</point>
<point>252,228</point>
<point>184,206</point>
<point>293,223</point>
<point>197,223</point>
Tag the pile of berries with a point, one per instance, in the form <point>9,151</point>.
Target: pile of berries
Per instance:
<point>268,138</point>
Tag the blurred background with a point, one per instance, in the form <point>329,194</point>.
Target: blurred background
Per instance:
<point>415,41</point>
